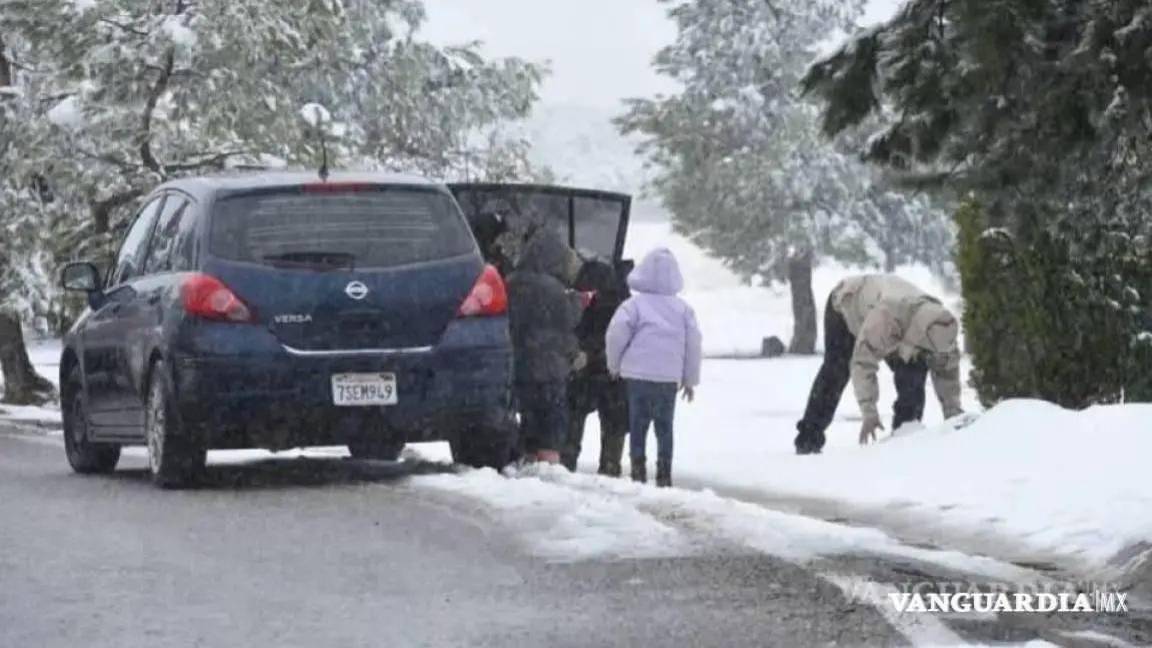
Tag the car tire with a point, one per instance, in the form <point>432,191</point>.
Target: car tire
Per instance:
<point>488,446</point>
<point>175,459</point>
<point>84,456</point>
<point>378,449</point>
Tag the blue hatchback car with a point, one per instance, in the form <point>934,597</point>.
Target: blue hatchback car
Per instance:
<point>277,310</point>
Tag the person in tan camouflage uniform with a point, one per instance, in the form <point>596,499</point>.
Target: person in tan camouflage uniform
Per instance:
<point>871,319</point>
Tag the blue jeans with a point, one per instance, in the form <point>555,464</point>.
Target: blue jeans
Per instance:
<point>651,403</point>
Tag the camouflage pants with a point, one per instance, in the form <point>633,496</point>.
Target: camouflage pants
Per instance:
<point>610,401</point>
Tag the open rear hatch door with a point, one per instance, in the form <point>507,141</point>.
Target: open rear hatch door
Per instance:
<point>356,268</point>
<point>594,223</point>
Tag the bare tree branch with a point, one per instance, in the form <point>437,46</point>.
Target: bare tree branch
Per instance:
<point>102,209</point>
<point>5,65</point>
<point>147,157</point>
<point>127,28</point>
<point>216,160</point>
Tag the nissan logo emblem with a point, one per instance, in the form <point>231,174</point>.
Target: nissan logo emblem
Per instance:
<point>356,290</point>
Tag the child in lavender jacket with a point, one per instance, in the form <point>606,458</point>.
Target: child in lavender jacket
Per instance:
<point>653,342</point>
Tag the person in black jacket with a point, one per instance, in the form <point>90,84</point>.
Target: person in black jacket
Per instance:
<point>591,389</point>
<point>489,227</point>
<point>543,315</point>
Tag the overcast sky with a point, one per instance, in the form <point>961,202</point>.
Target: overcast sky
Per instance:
<point>596,60</point>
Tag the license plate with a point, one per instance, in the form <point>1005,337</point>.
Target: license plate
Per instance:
<point>364,389</point>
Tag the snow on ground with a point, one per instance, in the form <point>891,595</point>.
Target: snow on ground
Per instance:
<point>734,315</point>
<point>563,523</point>
<point>1028,478</point>
<point>565,516</point>
<point>45,356</point>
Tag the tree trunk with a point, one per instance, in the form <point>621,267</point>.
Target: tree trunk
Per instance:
<point>803,305</point>
<point>5,65</point>
<point>22,385</point>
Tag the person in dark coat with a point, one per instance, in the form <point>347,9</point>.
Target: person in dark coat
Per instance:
<point>592,389</point>
<point>488,227</point>
<point>543,316</point>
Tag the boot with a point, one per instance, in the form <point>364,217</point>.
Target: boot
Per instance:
<point>640,470</point>
<point>611,450</point>
<point>664,474</point>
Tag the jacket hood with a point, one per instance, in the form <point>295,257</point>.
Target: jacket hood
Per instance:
<point>599,276</point>
<point>657,274</point>
<point>934,329</point>
<point>546,253</point>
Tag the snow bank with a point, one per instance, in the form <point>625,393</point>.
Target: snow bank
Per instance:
<point>565,517</point>
<point>45,357</point>
<point>570,517</point>
<point>1026,481</point>
<point>564,524</point>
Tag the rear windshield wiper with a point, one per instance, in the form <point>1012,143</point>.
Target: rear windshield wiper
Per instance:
<point>313,259</point>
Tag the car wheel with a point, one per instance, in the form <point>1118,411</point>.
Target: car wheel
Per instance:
<point>379,449</point>
<point>84,456</point>
<point>489,446</point>
<point>174,459</point>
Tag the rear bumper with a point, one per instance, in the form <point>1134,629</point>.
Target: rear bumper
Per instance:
<point>268,396</point>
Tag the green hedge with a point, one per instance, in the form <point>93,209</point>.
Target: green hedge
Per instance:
<point>1058,317</point>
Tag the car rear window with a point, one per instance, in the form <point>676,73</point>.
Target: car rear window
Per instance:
<point>371,228</point>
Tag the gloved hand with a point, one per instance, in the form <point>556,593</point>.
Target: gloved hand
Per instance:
<point>580,361</point>
<point>868,429</point>
<point>689,394</point>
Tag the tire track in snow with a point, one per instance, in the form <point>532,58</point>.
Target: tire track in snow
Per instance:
<point>546,507</point>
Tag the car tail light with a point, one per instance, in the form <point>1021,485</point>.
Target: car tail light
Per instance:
<point>207,297</point>
<point>488,296</point>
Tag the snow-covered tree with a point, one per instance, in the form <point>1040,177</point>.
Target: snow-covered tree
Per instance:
<point>22,239</point>
<point>1040,111</point>
<point>739,159</point>
<point>107,98</point>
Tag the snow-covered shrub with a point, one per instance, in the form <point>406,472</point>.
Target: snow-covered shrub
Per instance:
<point>1054,316</point>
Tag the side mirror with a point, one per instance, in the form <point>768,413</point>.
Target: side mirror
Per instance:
<point>80,277</point>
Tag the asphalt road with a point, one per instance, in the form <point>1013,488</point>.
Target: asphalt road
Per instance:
<point>339,553</point>
<point>334,552</point>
